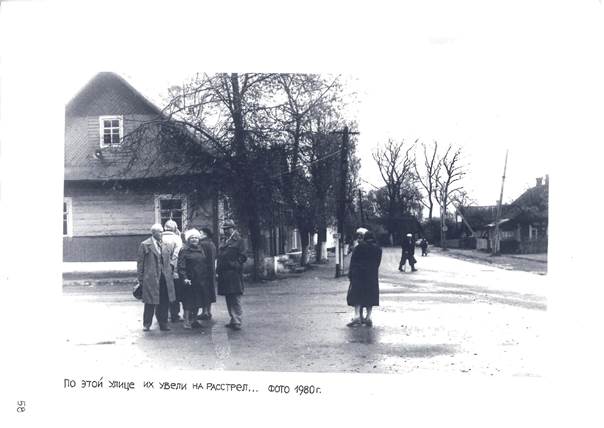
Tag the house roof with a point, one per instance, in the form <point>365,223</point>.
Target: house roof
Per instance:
<point>148,152</point>
<point>533,196</point>
<point>99,83</point>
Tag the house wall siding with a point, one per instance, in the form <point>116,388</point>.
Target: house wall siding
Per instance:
<point>99,211</point>
<point>101,248</point>
<point>108,223</point>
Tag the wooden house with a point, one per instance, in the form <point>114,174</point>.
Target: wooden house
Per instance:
<point>523,226</point>
<point>111,195</point>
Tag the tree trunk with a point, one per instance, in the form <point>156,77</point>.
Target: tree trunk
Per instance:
<point>257,250</point>
<point>305,242</point>
<point>321,245</point>
<point>443,234</point>
<point>250,210</point>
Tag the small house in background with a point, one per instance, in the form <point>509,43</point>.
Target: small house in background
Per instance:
<point>111,195</point>
<point>523,225</point>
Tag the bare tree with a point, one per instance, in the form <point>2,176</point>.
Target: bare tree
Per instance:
<point>224,116</point>
<point>308,97</point>
<point>427,178</point>
<point>448,184</point>
<point>395,163</point>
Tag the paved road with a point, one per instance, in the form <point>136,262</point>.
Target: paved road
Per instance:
<point>451,316</point>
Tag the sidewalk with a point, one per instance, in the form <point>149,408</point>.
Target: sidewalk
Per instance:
<point>536,263</point>
<point>98,270</point>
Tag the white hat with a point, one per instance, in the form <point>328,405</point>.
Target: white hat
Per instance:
<point>171,225</point>
<point>409,235</point>
<point>192,232</point>
<point>362,231</point>
<point>158,227</point>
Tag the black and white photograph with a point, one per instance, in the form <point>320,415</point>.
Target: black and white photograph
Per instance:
<point>315,205</point>
<point>242,215</point>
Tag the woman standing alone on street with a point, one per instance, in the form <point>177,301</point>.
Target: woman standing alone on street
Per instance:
<point>364,291</point>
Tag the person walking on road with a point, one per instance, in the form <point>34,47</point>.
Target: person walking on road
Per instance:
<point>408,252</point>
<point>195,270</point>
<point>171,236</point>
<point>156,278</point>
<point>229,268</point>
<point>424,246</point>
<point>364,290</point>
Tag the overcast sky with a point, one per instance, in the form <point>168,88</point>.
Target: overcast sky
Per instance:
<point>481,77</point>
<point>487,75</point>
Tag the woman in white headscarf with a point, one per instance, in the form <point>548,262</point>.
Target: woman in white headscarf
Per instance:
<point>195,270</point>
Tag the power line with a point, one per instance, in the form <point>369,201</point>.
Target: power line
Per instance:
<point>309,163</point>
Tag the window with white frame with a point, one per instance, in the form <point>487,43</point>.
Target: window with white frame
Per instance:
<point>111,130</point>
<point>67,217</point>
<point>171,207</point>
<point>507,234</point>
<point>533,232</point>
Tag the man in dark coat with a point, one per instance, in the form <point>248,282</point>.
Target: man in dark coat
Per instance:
<point>229,268</point>
<point>364,291</point>
<point>156,278</point>
<point>408,247</point>
<point>424,246</point>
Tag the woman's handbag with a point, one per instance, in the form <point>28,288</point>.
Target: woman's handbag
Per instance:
<point>138,292</point>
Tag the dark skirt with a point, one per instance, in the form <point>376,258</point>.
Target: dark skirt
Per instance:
<point>198,294</point>
<point>179,290</point>
<point>363,294</point>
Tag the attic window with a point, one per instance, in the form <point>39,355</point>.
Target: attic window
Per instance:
<point>111,129</point>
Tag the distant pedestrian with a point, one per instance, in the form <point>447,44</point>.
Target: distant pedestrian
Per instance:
<point>229,268</point>
<point>155,276</point>
<point>424,246</point>
<point>364,291</point>
<point>408,253</point>
<point>195,270</point>
<point>171,236</point>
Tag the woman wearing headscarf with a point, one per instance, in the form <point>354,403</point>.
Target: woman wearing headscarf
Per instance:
<point>195,271</point>
<point>364,291</point>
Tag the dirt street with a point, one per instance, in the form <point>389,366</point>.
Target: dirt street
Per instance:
<point>449,316</point>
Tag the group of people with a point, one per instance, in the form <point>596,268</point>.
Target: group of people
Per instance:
<point>173,271</point>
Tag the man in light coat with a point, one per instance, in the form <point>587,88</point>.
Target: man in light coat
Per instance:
<point>155,276</point>
<point>171,237</point>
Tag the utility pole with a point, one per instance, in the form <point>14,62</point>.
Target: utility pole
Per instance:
<point>462,216</point>
<point>341,200</point>
<point>341,210</point>
<point>495,249</point>
<point>361,206</point>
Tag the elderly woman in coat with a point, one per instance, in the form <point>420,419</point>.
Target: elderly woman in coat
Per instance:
<point>155,276</point>
<point>229,268</point>
<point>364,291</point>
<point>195,270</point>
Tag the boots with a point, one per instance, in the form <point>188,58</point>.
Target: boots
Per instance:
<point>187,319</point>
